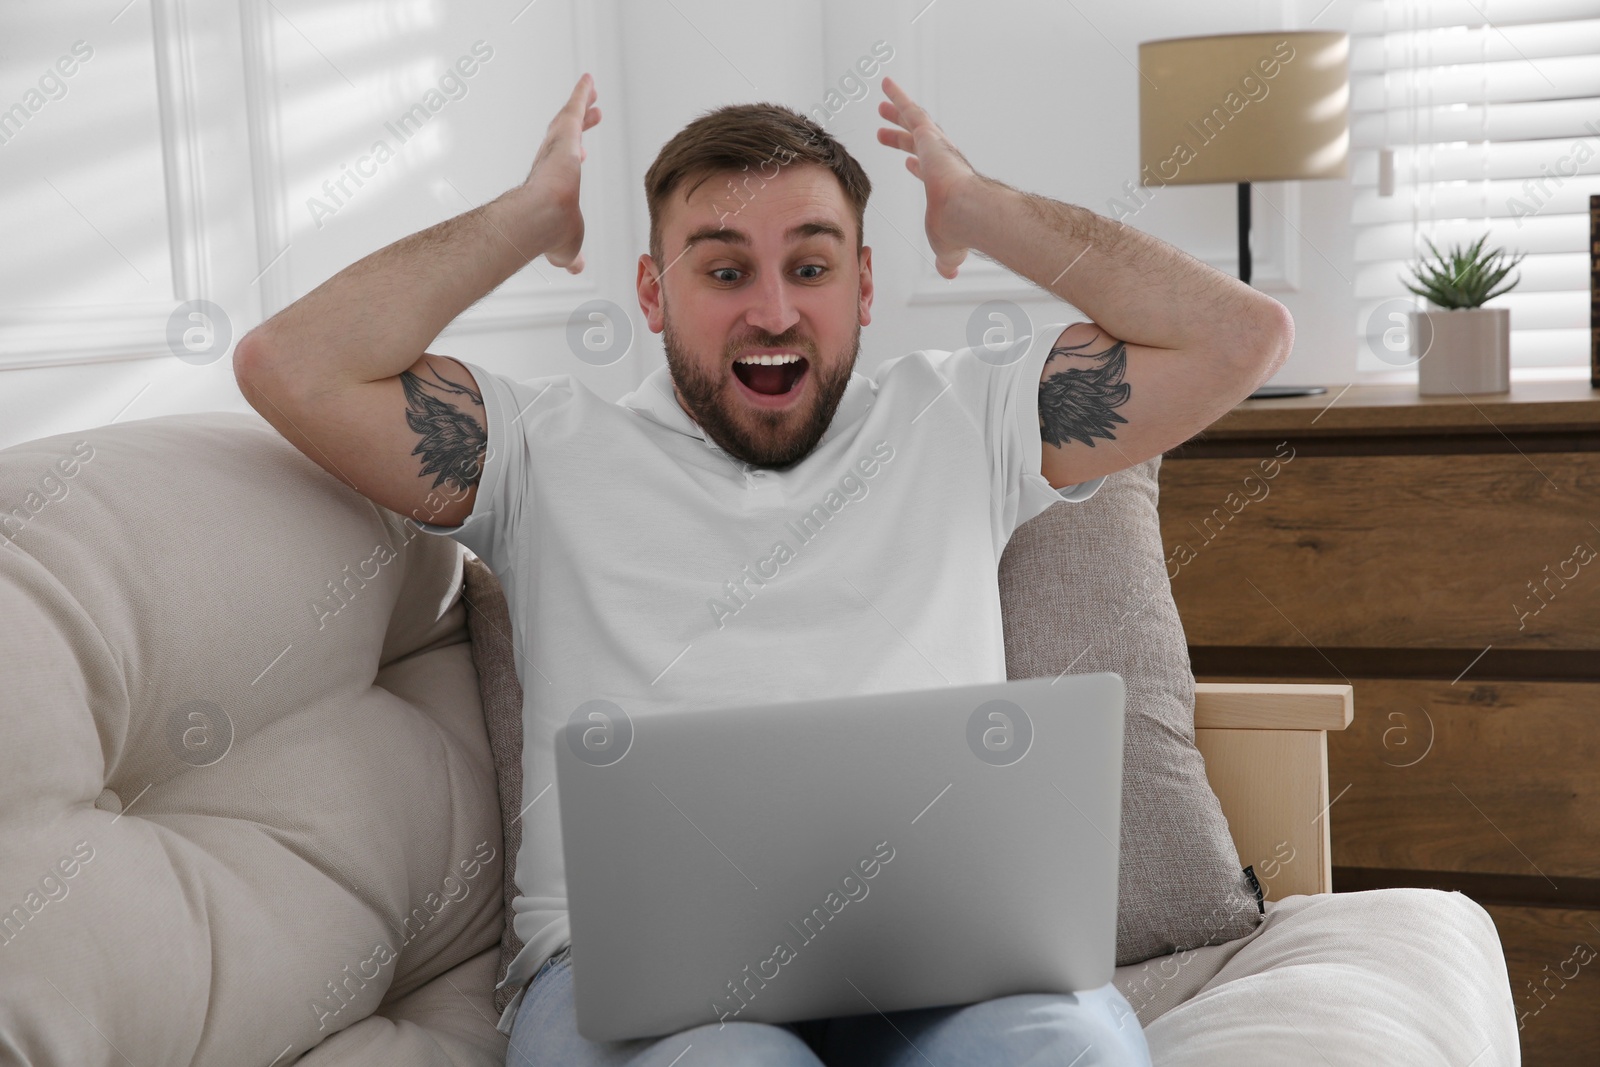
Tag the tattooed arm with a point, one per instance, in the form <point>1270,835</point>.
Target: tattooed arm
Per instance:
<point>1172,346</point>
<point>342,374</point>
<point>414,443</point>
<point>1106,405</point>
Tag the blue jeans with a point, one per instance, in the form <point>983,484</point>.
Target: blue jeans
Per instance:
<point>1093,1029</point>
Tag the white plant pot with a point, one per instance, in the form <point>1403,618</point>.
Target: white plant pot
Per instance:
<point>1462,350</point>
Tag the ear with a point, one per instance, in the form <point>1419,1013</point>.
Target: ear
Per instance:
<point>649,284</point>
<point>866,285</point>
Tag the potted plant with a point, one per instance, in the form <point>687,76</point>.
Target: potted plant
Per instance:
<point>1467,346</point>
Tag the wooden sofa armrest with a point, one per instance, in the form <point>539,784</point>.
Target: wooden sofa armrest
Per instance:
<point>1266,752</point>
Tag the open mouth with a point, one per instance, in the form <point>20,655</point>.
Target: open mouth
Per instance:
<point>774,380</point>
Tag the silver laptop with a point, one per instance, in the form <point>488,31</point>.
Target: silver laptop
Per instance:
<point>837,857</point>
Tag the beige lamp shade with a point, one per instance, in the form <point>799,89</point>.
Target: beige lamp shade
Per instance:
<point>1244,107</point>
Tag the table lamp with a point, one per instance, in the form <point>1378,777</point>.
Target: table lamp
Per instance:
<point>1244,107</point>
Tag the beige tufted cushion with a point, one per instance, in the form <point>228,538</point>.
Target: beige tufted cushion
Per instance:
<point>308,831</point>
<point>1083,586</point>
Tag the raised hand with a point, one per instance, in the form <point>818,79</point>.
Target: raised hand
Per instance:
<point>948,180</point>
<point>557,167</point>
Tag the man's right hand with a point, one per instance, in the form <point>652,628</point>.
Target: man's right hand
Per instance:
<point>553,181</point>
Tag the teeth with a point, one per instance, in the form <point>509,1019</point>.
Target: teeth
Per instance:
<point>769,361</point>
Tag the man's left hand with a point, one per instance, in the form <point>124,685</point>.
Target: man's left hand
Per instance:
<point>947,178</point>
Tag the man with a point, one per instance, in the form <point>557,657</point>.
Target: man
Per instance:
<point>755,521</point>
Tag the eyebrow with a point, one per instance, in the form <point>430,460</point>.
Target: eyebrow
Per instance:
<point>728,235</point>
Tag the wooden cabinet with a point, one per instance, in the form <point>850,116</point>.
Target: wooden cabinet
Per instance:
<point>1442,556</point>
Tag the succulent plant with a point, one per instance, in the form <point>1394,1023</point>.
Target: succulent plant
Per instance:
<point>1466,278</point>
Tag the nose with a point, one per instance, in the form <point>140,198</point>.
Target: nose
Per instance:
<point>771,309</point>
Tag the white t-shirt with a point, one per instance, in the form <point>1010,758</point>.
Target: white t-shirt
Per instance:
<point>644,565</point>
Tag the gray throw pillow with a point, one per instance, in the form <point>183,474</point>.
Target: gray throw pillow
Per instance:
<point>1084,588</point>
<point>489,626</point>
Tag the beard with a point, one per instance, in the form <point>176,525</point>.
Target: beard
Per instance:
<point>762,438</point>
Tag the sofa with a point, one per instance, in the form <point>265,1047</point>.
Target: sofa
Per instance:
<point>258,750</point>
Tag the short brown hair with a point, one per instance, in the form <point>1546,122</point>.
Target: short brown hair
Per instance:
<point>748,136</point>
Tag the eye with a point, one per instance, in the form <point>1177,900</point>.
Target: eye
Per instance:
<point>818,267</point>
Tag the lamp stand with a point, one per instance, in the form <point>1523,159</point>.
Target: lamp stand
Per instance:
<point>1244,232</point>
<point>1266,392</point>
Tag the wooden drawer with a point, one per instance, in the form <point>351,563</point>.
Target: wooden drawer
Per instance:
<point>1492,777</point>
<point>1555,994</point>
<point>1385,551</point>
<point>1442,556</point>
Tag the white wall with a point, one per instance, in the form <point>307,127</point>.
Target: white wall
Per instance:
<point>177,162</point>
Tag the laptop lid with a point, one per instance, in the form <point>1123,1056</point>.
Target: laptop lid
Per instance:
<point>834,857</point>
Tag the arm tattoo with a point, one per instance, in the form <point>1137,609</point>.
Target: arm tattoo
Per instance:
<point>1076,404</point>
<point>451,438</point>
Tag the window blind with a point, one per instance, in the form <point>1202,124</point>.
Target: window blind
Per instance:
<point>1491,109</point>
